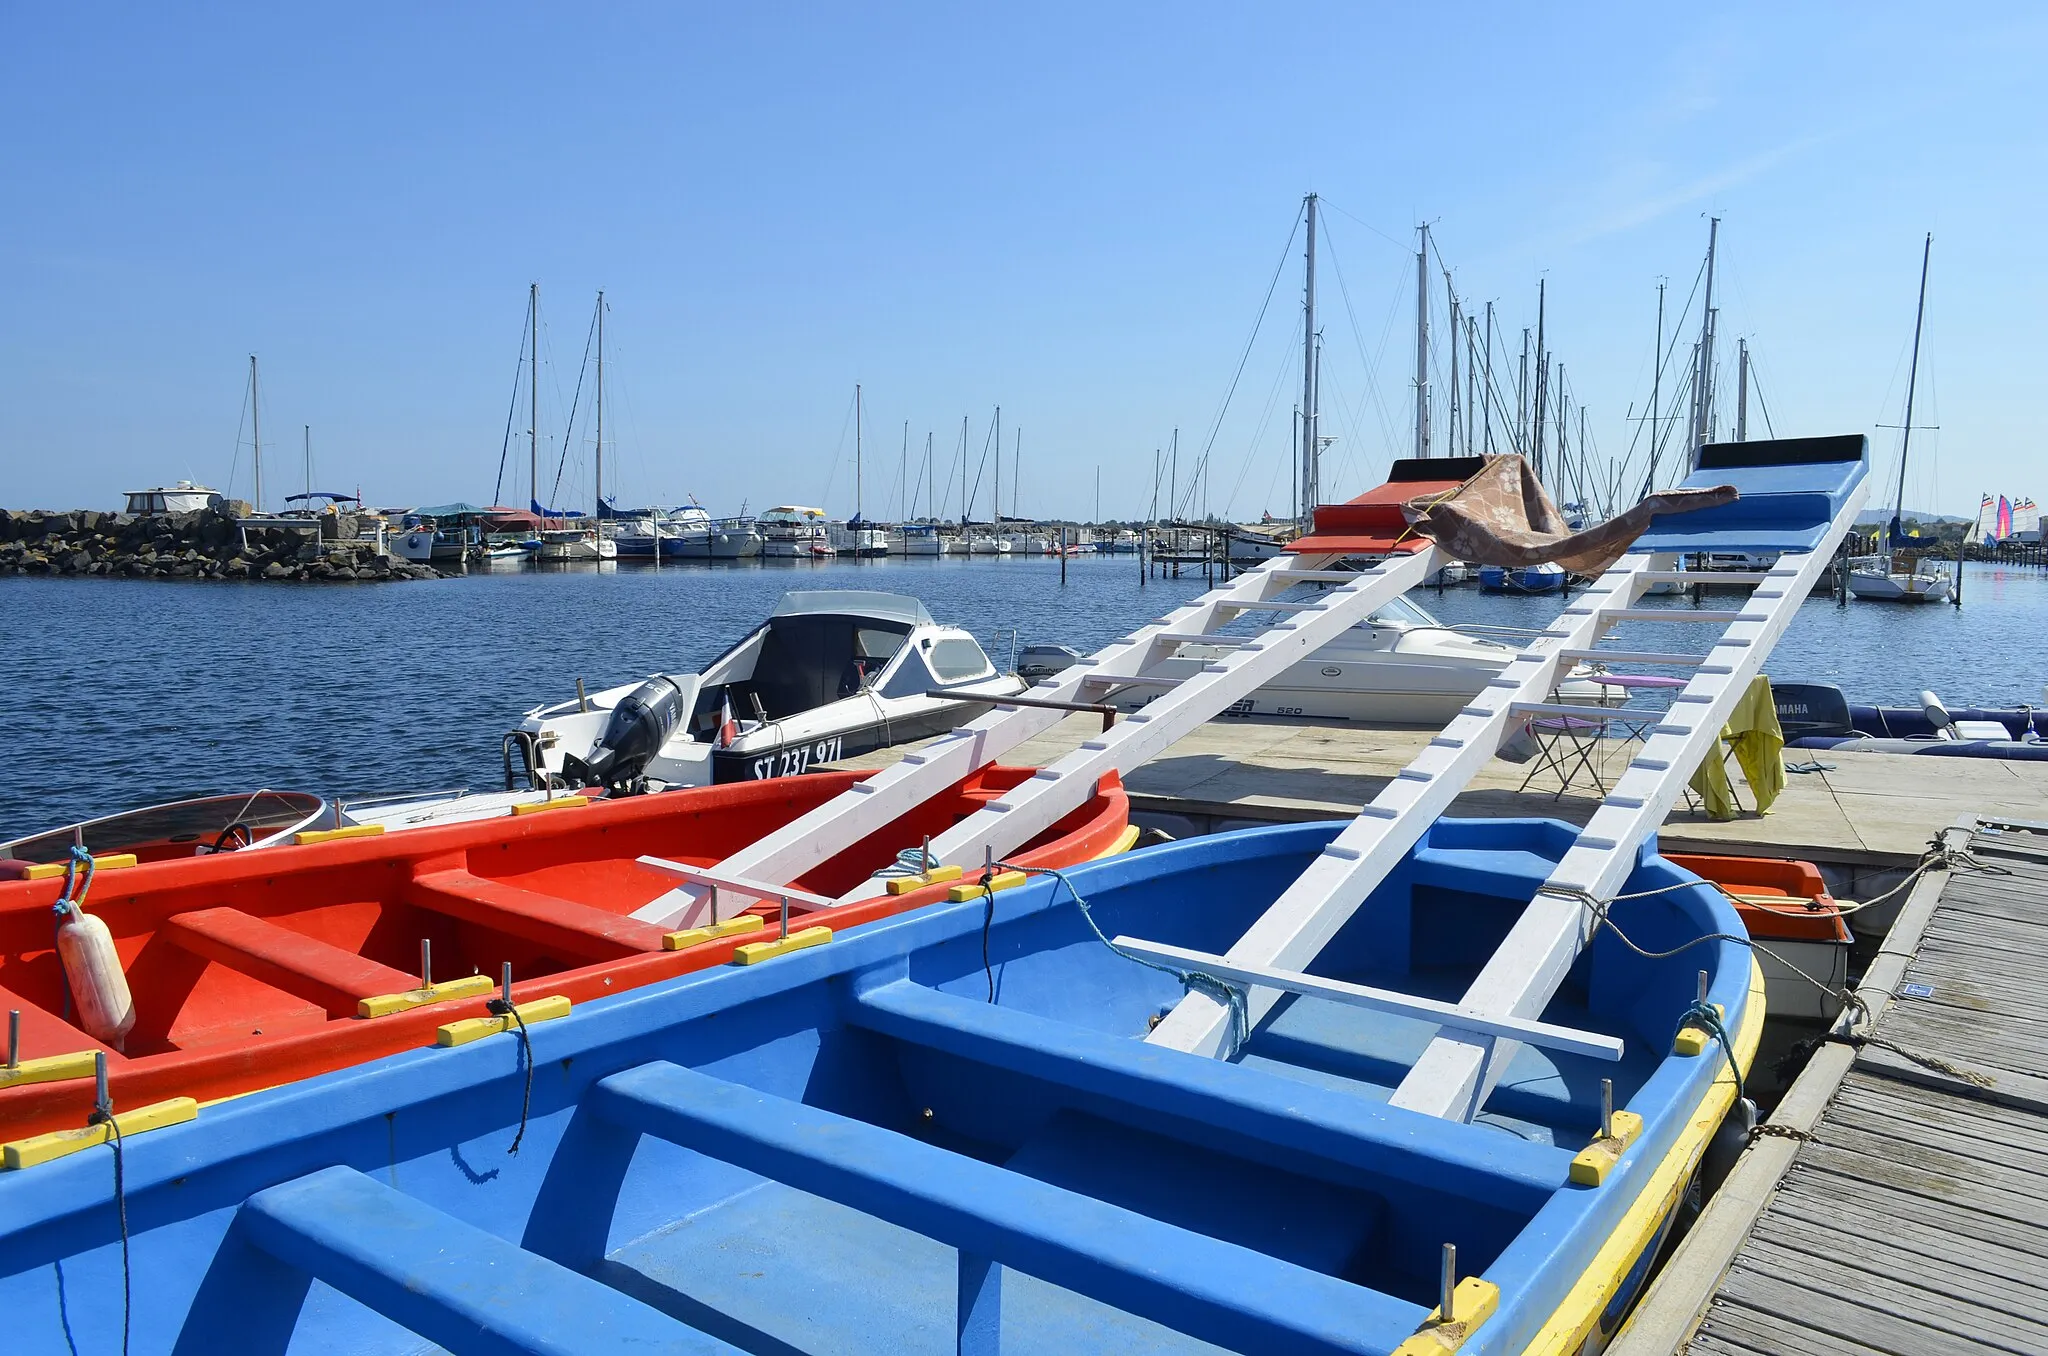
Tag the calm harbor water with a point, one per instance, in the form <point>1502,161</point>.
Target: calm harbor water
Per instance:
<point>127,692</point>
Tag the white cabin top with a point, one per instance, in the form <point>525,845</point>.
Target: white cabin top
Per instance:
<point>183,497</point>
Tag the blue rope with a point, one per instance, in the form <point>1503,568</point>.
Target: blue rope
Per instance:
<point>1222,991</point>
<point>1707,1019</point>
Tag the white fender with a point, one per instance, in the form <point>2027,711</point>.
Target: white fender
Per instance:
<point>105,1008</point>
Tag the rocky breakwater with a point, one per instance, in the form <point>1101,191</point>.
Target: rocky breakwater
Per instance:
<point>203,544</point>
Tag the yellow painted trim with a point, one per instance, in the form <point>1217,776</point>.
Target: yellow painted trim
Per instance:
<point>447,991</point>
<point>753,953</point>
<point>26,1153</point>
<point>334,835</point>
<point>49,1069</point>
<point>113,861</point>
<point>1575,1318</point>
<point>476,1028</point>
<point>1473,1302</point>
<point>1592,1163</point>
<point>1124,842</point>
<point>534,807</point>
<point>974,889</point>
<point>731,927</point>
<point>938,875</point>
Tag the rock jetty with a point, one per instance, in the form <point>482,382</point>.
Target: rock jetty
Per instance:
<point>206,543</point>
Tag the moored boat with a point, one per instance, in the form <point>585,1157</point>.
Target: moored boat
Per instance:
<point>246,970</point>
<point>948,1120</point>
<point>1540,578</point>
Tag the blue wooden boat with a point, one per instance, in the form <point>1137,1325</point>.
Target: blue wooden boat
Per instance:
<point>946,1131</point>
<point>1543,578</point>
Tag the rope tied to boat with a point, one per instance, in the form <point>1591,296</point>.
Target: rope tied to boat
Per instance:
<point>1707,1017</point>
<point>1230,995</point>
<point>66,902</point>
<point>502,1006</point>
<point>103,1114</point>
<point>1859,1041</point>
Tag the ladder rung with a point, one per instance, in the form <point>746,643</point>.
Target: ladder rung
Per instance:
<point>1274,607</point>
<point>1675,614</point>
<point>1121,680</point>
<point>1636,657</point>
<point>1704,576</point>
<point>1320,576</point>
<point>1203,638</point>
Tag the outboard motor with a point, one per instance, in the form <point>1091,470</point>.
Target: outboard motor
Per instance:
<point>639,726</point>
<point>1937,715</point>
<point>1811,709</point>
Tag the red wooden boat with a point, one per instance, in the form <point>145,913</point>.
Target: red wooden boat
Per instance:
<point>1785,905</point>
<point>249,970</point>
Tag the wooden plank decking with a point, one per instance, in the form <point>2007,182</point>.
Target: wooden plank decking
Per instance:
<point>1915,1217</point>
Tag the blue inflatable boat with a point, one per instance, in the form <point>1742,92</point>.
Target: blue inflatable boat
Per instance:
<point>946,1131</point>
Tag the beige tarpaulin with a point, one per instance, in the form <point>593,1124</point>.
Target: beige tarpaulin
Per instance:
<point>1503,516</point>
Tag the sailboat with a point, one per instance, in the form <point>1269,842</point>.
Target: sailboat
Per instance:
<point>572,541</point>
<point>1896,573</point>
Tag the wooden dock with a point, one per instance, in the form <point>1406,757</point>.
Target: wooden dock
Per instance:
<point>1862,811</point>
<point>1897,1200</point>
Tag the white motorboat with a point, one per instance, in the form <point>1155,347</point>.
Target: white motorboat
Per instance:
<point>857,537</point>
<point>576,544</point>
<point>923,539</point>
<point>734,539</point>
<point>1028,543</point>
<point>985,545</point>
<point>1401,667</point>
<point>1898,577</point>
<point>793,532</point>
<point>831,674</point>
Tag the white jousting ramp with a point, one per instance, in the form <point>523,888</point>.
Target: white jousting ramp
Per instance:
<point>1371,525</point>
<point>1798,497</point>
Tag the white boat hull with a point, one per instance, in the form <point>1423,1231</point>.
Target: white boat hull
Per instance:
<point>1885,587</point>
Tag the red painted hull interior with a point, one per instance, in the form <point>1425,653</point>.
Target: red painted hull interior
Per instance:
<point>1808,913</point>
<point>246,968</point>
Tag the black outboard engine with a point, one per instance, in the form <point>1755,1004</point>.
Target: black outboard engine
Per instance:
<point>639,726</point>
<point>1811,709</point>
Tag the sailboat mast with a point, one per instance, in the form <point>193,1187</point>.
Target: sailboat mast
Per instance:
<point>1489,379</point>
<point>1308,369</point>
<point>309,467</point>
<point>856,451</point>
<point>1422,343</point>
<point>1016,469</point>
<point>600,404</point>
<point>1656,395</point>
<point>1542,376</point>
<point>1912,377</point>
<point>1451,302</point>
<point>1742,391</point>
<point>533,392</point>
<point>903,475</point>
<point>963,477</point>
<point>1703,379</point>
<point>256,430</point>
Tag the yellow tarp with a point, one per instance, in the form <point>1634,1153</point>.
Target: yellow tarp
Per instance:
<point>1759,748</point>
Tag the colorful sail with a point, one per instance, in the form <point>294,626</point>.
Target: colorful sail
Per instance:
<point>2004,517</point>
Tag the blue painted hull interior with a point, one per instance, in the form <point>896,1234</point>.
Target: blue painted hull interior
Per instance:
<point>889,1144</point>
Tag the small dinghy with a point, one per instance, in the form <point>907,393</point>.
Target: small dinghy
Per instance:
<point>1818,716</point>
<point>831,674</point>
<point>203,978</point>
<point>944,1132</point>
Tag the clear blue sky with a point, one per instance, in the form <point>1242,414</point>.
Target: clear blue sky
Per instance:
<point>1073,213</point>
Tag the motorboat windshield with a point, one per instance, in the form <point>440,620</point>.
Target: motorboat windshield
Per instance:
<point>183,828</point>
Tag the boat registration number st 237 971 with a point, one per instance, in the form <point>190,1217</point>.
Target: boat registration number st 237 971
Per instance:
<point>791,762</point>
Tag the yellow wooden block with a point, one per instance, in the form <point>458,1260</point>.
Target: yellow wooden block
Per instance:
<point>476,1028</point>
<point>938,875</point>
<point>384,1004</point>
<point>753,953</point>
<point>973,889</point>
<point>335,835</point>
<point>1591,1164</point>
<point>26,1153</point>
<point>48,1069</point>
<point>1692,1040</point>
<point>534,807</point>
<point>113,861</point>
<point>731,927</point>
<point>1472,1303</point>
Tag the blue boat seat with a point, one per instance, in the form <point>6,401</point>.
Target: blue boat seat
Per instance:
<point>1147,1086</point>
<point>1789,490</point>
<point>449,1281</point>
<point>1142,1265</point>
